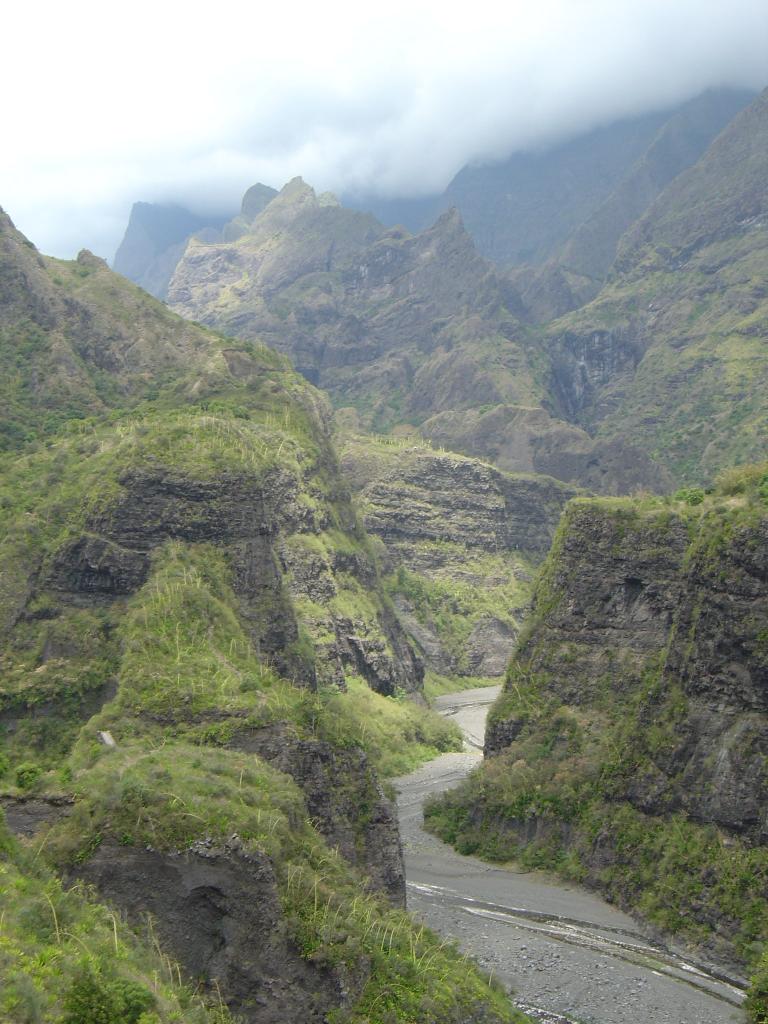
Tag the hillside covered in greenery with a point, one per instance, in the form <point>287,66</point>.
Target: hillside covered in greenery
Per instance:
<point>203,679</point>
<point>628,747</point>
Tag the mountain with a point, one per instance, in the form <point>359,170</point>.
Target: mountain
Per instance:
<point>571,202</point>
<point>195,641</point>
<point>593,366</point>
<point>414,331</point>
<point>672,352</point>
<point>154,241</point>
<point>628,747</point>
<point>77,340</point>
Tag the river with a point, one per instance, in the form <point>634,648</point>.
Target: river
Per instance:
<point>569,957</point>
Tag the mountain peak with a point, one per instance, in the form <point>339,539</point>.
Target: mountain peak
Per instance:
<point>255,199</point>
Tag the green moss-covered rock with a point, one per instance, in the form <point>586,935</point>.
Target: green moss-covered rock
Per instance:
<point>628,747</point>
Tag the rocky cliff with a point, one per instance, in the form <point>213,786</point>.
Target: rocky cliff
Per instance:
<point>460,542</point>
<point>625,355</point>
<point>672,350</point>
<point>154,242</point>
<point>629,744</point>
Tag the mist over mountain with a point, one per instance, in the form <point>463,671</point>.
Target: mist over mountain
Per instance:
<point>388,104</point>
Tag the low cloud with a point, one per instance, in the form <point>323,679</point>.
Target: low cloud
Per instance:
<point>159,102</point>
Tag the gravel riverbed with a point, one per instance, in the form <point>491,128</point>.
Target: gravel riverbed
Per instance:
<point>567,954</point>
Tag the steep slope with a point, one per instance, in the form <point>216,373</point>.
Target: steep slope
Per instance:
<point>154,241</point>
<point>569,203</point>
<point>408,330</point>
<point>76,340</point>
<point>460,540</point>
<point>679,143</point>
<point>186,591</point>
<point>628,746</point>
<point>672,352</point>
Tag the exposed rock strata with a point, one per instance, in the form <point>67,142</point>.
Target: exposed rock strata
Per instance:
<point>418,329</point>
<point>628,590</point>
<point>344,801</point>
<point>216,909</point>
<point>455,522</point>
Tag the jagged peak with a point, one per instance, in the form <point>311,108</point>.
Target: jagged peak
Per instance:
<point>450,222</point>
<point>296,188</point>
<point>256,199</point>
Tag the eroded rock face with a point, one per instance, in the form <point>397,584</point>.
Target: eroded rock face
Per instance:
<point>426,495</point>
<point>216,909</point>
<point>530,440</point>
<point>344,800</point>
<point>406,328</point>
<point>637,597</point>
<point>456,523</point>
<point>250,517</point>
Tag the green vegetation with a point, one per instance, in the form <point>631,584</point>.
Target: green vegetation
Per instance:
<point>589,737</point>
<point>453,606</point>
<point>397,734</point>
<point>436,685</point>
<point>757,1000</point>
<point>125,520</point>
<point>68,958</point>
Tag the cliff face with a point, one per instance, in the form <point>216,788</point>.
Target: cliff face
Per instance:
<point>154,242</point>
<point>671,352</point>
<point>416,330</point>
<point>634,713</point>
<point>460,540</point>
<point>639,593</point>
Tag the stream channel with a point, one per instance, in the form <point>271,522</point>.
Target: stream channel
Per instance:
<point>568,956</point>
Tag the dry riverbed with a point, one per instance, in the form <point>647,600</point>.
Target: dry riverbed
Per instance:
<point>568,955</point>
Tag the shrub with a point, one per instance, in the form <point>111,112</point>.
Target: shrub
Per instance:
<point>93,999</point>
<point>757,997</point>
<point>27,775</point>
<point>690,495</point>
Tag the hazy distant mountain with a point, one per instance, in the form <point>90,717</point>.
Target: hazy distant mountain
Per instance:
<point>569,203</point>
<point>581,194</point>
<point>673,351</point>
<point>154,241</point>
<point>413,331</point>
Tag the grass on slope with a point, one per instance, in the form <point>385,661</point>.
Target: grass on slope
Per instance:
<point>170,782</point>
<point>556,797</point>
<point>68,958</point>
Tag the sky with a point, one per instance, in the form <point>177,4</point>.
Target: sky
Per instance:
<point>105,104</point>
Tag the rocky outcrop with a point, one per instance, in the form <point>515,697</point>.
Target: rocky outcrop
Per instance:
<point>628,746</point>
<point>455,527</point>
<point>216,909</point>
<point>154,242</point>
<point>657,356</point>
<point>418,328</point>
<point>525,440</point>
<point>677,602</point>
<point>344,801</point>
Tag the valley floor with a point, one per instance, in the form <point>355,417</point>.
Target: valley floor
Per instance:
<point>568,955</point>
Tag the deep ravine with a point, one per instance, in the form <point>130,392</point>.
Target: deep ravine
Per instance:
<point>568,955</point>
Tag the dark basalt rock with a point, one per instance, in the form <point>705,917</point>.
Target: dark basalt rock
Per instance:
<point>96,566</point>
<point>216,909</point>
<point>344,800</point>
<point>24,815</point>
<point>629,590</point>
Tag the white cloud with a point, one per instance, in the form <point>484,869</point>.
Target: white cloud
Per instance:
<point>106,103</point>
